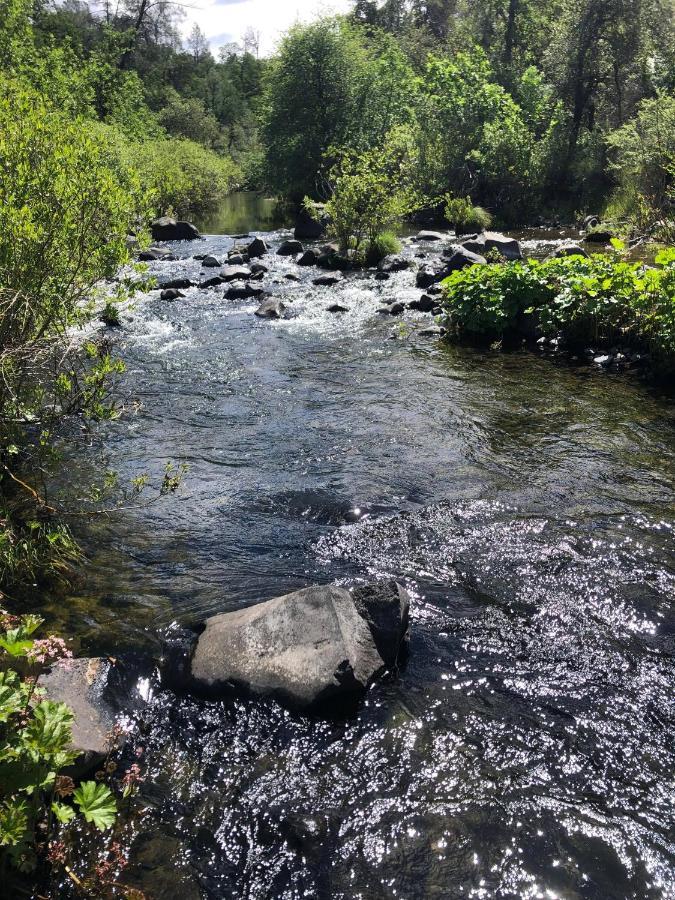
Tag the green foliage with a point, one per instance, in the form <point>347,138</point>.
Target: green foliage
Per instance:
<point>643,158</point>
<point>381,245</point>
<point>371,191</point>
<point>464,216</point>
<point>35,744</point>
<point>329,87</point>
<point>599,301</point>
<point>178,175</point>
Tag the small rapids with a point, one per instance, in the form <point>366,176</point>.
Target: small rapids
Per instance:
<point>525,748</point>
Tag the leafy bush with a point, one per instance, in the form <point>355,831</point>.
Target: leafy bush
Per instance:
<point>464,217</point>
<point>370,192</point>
<point>35,737</point>
<point>382,245</point>
<point>179,175</point>
<point>599,301</point>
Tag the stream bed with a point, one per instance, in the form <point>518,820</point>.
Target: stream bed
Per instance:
<point>526,749</point>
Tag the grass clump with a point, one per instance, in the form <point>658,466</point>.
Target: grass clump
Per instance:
<point>383,244</point>
<point>464,217</point>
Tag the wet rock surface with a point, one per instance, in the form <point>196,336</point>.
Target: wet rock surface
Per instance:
<point>309,649</point>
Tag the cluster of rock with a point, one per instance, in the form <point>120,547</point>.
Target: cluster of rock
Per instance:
<point>316,650</point>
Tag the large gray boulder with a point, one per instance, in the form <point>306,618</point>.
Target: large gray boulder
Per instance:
<point>508,248</point>
<point>82,685</point>
<point>569,249</point>
<point>319,645</point>
<point>168,229</point>
<point>394,263</point>
<point>462,258</point>
<point>235,273</point>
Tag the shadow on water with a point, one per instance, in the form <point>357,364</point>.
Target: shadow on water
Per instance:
<point>526,748</point>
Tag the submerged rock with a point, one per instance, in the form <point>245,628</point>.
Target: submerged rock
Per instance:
<point>176,283</point>
<point>258,268</point>
<point>337,308</point>
<point>171,294</point>
<point>430,236</point>
<point>242,292</point>
<point>394,263</point>
<point>393,309</point>
<point>327,280</point>
<point>212,282</point>
<point>424,304</point>
<point>271,309</point>
<point>289,248</point>
<point>168,229</point>
<point>432,331</point>
<point>598,237</point>
<point>156,254</point>
<point>311,648</point>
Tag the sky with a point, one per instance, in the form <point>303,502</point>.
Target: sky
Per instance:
<point>224,21</point>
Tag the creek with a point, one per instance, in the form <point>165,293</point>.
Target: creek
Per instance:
<point>526,748</point>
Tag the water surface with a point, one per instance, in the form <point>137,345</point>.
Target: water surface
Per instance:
<point>526,748</point>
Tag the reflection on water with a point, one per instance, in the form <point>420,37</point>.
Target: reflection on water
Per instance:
<point>526,748</point>
<point>244,211</point>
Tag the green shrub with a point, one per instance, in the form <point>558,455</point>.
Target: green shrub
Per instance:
<point>180,176</point>
<point>464,217</point>
<point>382,245</point>
<point>600,301</point>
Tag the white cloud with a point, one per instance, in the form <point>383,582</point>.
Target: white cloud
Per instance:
<point>228,19</point>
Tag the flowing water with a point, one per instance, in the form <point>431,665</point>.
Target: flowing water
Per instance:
<point>526,748</point>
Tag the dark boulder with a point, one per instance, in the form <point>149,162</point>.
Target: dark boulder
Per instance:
<point>236,259</point>
<point>393,309</point>
<point>382,276</point>
<point>211,282</point>
<point>461,259</point>
<point>168,229</point>
<point>309,257</point>
<point>289,248</point>
<point>171,294</point>
<point>394,263</point>
<point>291,276</point>
<point>242,292</point>
<point>211,262</point>
<point>598,237</point>
<point>156,254</point>
<point>256,248</point>
<point>313,648</point>
<point>176,283</point>
<point>425,277</point>
<point>424,304</point>
<point>327,280</point>
<point>258,268</point>
<point>271,309</point>
<point>567,250</point>
<point>310,226</point>
<point>337,308</point>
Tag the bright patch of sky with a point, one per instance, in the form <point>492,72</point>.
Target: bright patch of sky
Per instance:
<point>225,21</point>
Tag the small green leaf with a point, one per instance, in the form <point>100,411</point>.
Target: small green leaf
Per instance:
<point>63,812</point>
